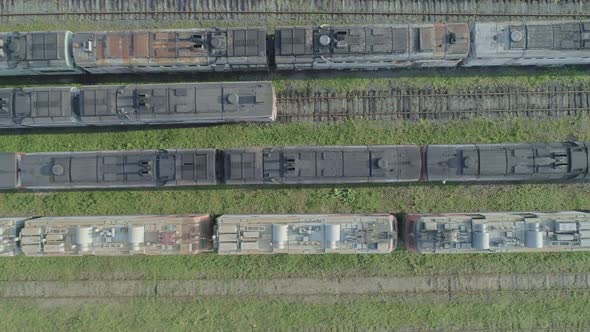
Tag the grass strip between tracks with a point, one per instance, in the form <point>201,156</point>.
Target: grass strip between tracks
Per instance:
<point>247,314</point>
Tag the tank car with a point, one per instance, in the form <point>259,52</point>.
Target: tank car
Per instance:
<point>519,162</point>
<point>108,169</point>
<point>305,234</point>
<point>10,229</point>
<point>529,43</point>
<point>117,235</point>
<point>112,105</point>
<point>171,50</point>
<point>36,53</point>
<point>327,164</point>
<point>497,232</point>
<point>371,46</point>
<point>38,107</point>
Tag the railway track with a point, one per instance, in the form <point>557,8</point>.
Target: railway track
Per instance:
<point>385,10</point>
<point>433,104</point>
<point>447,286</point>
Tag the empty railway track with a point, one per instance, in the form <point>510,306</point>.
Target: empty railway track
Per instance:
<point>406,10</point>
<point>447,286</point>
<point>433,104</point>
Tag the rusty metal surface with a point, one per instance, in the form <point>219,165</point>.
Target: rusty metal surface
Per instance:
<point>201,49</point>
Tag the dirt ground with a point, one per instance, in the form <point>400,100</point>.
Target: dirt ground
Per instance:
<point>303,288</point>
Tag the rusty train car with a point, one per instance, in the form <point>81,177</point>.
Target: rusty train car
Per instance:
<point>510,162</point>
<point>325,47</point>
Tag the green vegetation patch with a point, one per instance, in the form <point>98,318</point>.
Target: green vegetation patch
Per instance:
<point>214,314</point>
<point>347,133</point>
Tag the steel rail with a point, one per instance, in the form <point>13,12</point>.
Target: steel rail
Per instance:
<point>278,13</point>
<point>304,97</point>
<point>449,293</point>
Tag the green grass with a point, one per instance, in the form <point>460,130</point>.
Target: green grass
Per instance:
<point>268,314</point>
<point>279,314</point>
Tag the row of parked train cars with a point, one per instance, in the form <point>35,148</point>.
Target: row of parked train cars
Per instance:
<point>510,162</point>
<point>297,48</point>
<point>295,234</point>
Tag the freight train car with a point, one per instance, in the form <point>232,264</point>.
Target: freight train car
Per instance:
<point>148,104</point>
<point>371,47</point>
<point>116,235</point>
<point>324,47</point>
<point>109,169</point>
<point>232,49</point>
<point>193,234</point>
<point>510,162</point>
<point>543,43</point>
<point>327,164</point>
<point>305,234</point>
<point>497,232</point>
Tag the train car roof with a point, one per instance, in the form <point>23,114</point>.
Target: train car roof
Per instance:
<point>8,169</point>
<point>306,234</point>
<point>41,49</point>
<point>502,232</point>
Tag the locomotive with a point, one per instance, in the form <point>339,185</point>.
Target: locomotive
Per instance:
<point>324,47</point>
<point>146,104</point>
<point>295,234</point>
<point>510,162</point>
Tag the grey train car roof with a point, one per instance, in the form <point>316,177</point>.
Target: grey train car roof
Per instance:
<point>305,234</point>
<point>530,43</point>
<point>37,107</point>
<point>371,46</point>
<point>9,235</point>
<point>511,162</point>
<point>502,232</point>
<point>322,164</point>
<point>146,104</point>
<point>8,170</point>
<point>171,50</point>
<point>117,235</point>
<point>36,53</point>
<point>507,162</point>
<point>117,169</point>
<point>177,103</point>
